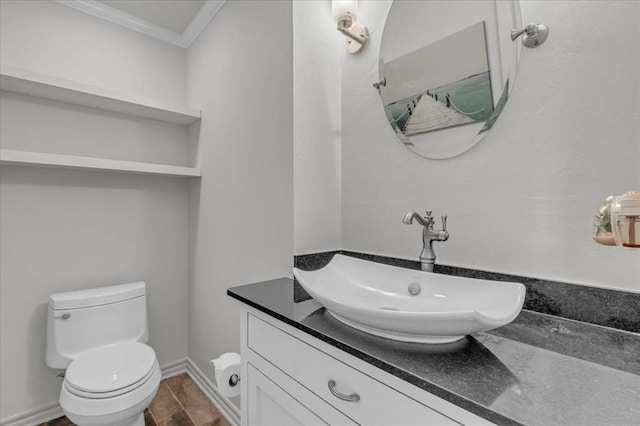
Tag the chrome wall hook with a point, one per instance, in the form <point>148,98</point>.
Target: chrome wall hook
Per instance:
<point>534,35</point>
<point>379,83</point>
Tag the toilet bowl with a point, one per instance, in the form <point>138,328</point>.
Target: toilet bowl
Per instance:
<point>111,385</point>
<point>99,336</point>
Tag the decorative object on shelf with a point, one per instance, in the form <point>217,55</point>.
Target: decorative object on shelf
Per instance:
<point>601,230</point>
<point>627,223</point>
<point>345,12</point>
<point>617,221</point>
<point>533,35</point>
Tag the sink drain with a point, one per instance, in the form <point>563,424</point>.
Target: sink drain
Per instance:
<point>414,289</point>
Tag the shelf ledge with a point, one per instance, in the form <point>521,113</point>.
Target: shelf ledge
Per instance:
<point>41,159</point>
<point>45,86</point>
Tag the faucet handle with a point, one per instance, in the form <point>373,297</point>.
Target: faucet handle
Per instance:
<point>444,222</point>
<point>429,218</point>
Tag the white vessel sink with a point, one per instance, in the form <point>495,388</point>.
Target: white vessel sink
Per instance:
<point>376,299</point>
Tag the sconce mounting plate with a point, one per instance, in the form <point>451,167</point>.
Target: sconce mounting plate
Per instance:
<point>360,31</point>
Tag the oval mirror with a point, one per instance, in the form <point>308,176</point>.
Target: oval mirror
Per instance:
<point>446,70</point>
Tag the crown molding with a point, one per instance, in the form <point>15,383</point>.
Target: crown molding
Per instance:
<point>201,20</point>
<point>116,16</point>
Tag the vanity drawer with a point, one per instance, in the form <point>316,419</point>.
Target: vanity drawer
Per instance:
<point>376,404</point>
<point>266,382</point>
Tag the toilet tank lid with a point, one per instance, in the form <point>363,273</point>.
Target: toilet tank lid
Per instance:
<point>96,296</point>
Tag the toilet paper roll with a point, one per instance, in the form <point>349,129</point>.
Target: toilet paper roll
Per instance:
<point>227,373</point>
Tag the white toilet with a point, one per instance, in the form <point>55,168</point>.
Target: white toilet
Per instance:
<point>98,336</point>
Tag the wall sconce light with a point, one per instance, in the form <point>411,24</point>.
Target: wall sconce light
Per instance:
<point>345,12</point>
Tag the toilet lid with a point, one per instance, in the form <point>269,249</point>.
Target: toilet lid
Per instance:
<point>105,371</point>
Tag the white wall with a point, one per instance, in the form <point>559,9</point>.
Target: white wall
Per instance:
<point>68,230</point>
<point>65,230</point>
<point>44,36</point>
<point>242,209</point>
<point>521,201</point>
<point>317,47</point>
<point>35,124</point>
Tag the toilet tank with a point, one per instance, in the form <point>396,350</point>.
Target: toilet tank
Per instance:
<point>78,321</point>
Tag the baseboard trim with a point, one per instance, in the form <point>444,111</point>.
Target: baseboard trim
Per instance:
<point>53,411</point>
<point>174,368</point>
<point>226,407</point>
<point>35,416</point>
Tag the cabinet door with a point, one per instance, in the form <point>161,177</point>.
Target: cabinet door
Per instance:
<point>270,405</point>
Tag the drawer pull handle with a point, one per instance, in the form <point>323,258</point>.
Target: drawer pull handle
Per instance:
<point>354,397</point>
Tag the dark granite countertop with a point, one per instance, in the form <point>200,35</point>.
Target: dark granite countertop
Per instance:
<point>538,370</point>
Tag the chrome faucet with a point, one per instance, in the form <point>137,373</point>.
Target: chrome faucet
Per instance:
<point>429,235</point>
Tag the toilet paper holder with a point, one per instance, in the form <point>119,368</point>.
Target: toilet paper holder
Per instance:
<point>227,373</point>
<point>234,379</point>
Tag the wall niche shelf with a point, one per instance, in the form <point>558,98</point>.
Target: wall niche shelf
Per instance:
<point>45,86</point>
<point>40,159</point>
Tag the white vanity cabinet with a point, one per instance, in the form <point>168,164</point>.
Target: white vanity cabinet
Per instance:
<point>293,378</point>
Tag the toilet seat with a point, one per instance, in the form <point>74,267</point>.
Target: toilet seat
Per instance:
<point>111,371</point>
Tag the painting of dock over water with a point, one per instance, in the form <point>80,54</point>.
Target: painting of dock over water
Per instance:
<point>453,90</point>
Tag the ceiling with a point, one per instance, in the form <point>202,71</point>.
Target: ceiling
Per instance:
<point>174,15</point>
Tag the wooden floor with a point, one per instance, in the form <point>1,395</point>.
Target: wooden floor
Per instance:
<point>179,402</point>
